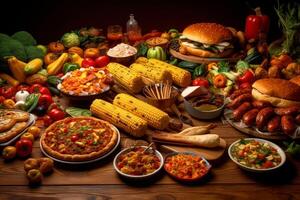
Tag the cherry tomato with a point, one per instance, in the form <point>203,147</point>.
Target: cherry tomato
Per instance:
<point>56,114</point>
<point>200,82</point>
<point>88,62</point>
<point>248,77</point>
<point>102,61</point>
<point>74,138</point>
<point>8,91</point>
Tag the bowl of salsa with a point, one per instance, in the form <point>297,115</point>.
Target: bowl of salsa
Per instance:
<point>138,162</point>
<point>256,155</point>
<point>186,166</point>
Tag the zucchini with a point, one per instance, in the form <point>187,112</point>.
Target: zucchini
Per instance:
<point>187,65</point>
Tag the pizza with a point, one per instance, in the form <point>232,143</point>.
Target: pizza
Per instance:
<point>12,123</point>
<point>79,139</point>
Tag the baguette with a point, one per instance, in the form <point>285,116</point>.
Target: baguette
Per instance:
<point>208,140</point>
<point>197,130</point>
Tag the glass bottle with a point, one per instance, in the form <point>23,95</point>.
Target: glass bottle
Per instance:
<point>133,30</point>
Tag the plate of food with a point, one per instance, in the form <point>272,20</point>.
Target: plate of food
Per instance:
<point>85,83</point>
<point>269,110</point>
<point>13,123</point>
<point>138,162</point>
<point>207,42</point>
<point>79,140</point>
<point>256,155</point>
<point>186,166</point>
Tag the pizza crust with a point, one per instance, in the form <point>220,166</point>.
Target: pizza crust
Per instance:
<point>78,157</point>
<point>14,131</point>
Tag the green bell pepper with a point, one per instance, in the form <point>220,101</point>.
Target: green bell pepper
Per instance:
<point>70,67</point>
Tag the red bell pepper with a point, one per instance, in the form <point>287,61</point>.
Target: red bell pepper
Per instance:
<point>200,82</point>
<point>102,61</point>
<point>248,77</point>
<point>256,24</point>
<point>38,88</point>
<point>45,100</point>
<point>88,62</point>
<point>8,91</point>
<point>24,148</point>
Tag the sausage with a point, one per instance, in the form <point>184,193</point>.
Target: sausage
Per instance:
<point>239,100</point>
<point>288,125</point>
<point>241,110</point>
<point>287,111</point>
<point>260,104</point>
<point>297,119</point>
<point>263,116</point>
<point>274,124</point>
<point>250,116</point>
<point>237,93</point>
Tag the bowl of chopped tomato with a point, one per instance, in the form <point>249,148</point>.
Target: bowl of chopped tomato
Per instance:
<point>256,155</point>
<point>186,166</point>
<point>138,162</point>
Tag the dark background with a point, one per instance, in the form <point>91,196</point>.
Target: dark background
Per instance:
<point>48,20</point>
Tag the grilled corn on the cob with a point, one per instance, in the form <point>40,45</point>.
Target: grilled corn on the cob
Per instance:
<point>121,118</point>
<point>155,117</point>
<point>127,78</point>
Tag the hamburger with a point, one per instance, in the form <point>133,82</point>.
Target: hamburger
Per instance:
<point>207,40</point>
<point>279,92</point>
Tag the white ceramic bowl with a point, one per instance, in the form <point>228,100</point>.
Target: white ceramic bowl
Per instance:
<point>279,150</point>
<point>138,177</point>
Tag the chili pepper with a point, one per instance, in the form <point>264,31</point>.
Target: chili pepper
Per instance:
<point>31,102</point>
<point>248,77</point>
<point>45,100</point>
<point>256,24</point>
<point>24,148</point>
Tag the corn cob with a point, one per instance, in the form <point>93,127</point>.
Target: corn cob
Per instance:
<point>127,78</point>
<point>154,74</point>
<point>180,76</point>
<point>155,117</point>
<point>123,119</point>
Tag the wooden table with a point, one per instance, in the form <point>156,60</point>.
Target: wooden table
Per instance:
<point>100,181</point>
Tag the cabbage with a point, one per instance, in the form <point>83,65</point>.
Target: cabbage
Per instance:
<point>70,40</point>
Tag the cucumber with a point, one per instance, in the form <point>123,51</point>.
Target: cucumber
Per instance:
<point>187,65</point>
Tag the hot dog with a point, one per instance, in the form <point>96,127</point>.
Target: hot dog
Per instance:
<point>239,100</point>
<point>250,116</point>
<point>287,111</point>
<point>263,116</point>
<point>288,125</point>
<point>241,110</point>
<point>274,124</point>
<point>260,104</point>
<point>237,93</point>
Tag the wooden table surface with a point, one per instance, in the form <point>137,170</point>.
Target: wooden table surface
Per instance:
<point>100,181</point>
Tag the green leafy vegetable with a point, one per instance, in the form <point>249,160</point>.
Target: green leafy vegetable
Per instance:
<point>33,52</point>
<point>293,148</point>
<point>199,70</point>
<point>242,66</point>
<point>11,47</point>
<point>25,38</point>
<point>223,66</point>
<point>142,49</point>
<point>73,111</point>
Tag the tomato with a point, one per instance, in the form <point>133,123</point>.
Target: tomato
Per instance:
<point>47,120</point>
<point>88,62</point>
<point>267,164</point>
<point>220,81</point>
<point>8,91</point>
<point>9,152</point>
<point>35,131</point>
<point>200,82</point>
<point>56,114</point>
<point>24,148</point>
<point>45,100</point>
<point>45,90</point>
<point>23,87</point>
<point>38,88</point>
<point>74,138</point>
<point>102,61</point>
<point>248,77</point>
